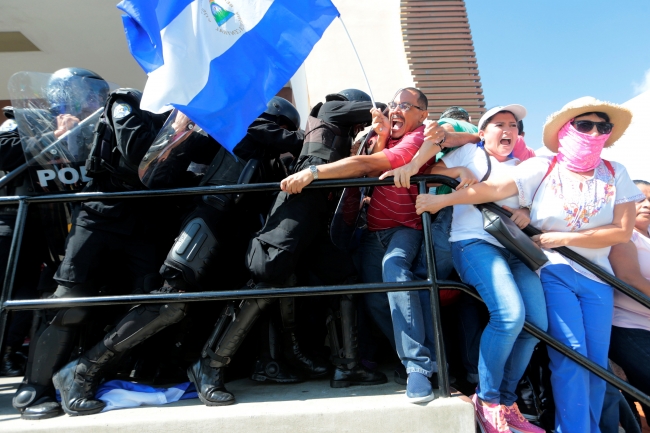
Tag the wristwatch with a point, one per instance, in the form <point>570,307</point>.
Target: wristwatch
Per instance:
<point>314,171</point>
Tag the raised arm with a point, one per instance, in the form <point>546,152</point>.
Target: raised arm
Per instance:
<point>624,259</point>
<point>494,189</point>
<point>435,139</point>
<point>354,166</point>
<point>619,231</point>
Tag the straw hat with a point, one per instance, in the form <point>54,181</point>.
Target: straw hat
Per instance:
<point>618,115</point>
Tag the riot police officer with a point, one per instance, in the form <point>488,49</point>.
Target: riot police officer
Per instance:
<point>296,225</point>
<point>206,253</point>
<point>34,248</point>
<point>100,229</point>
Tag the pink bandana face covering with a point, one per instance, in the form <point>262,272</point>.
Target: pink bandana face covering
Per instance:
<point>577,151</point>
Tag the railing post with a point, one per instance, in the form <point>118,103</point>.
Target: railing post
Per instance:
<point>441,357</point>
<point>12,262</point>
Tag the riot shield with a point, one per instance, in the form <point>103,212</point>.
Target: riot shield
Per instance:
<point>56,119</point>
<point>349,219</point>
<point>160,164</point>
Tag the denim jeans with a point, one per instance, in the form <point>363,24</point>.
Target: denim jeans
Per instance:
<point>580,316</point>
<point>512,293</point>
<point>405,317</point>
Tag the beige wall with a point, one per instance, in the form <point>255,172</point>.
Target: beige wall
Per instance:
<point>374,26</point>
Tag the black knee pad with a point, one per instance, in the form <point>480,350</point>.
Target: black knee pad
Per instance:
<point>71,317</point>
<point>193,252</point>
<point>173,313</point>
<point>142,322</point>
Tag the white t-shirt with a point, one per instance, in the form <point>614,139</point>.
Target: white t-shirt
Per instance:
<point>467,222</point>
<point>559,205</point>
<point>628,313</point>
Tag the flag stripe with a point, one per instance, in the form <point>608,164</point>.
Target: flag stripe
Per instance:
<point>275,48</point>
<point>221,61</point>
<point>142,24</point>
<point>190,43</point>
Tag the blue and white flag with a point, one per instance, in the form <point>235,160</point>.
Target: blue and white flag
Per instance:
<point>119,394</point>
<point>221,61</point>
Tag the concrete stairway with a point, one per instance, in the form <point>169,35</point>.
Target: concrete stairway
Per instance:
<point>304,408</point>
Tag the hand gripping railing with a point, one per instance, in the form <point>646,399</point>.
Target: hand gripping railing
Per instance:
<point>432,283</point>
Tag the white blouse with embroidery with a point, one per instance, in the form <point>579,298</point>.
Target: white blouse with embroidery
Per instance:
<point>561,203</point>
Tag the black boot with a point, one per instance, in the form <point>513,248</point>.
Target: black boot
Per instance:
<point>313,368</point>
<point>36,402</point>
<point>269,366</point>
<point>48,351</point>
<point>228,334</point>
<point>209,383</point>
<point>349,371</point>
<point>13,364</point>
<point>78,380</point>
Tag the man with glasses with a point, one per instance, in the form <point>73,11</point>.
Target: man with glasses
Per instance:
<point>392,242</point>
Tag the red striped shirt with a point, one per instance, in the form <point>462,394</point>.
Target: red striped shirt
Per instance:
<point>392,207</point>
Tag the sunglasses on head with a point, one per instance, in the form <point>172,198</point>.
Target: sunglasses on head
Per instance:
<point>404,106</point>
<point>585,126</point>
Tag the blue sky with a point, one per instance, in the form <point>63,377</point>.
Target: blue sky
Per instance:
<point>545,53</point>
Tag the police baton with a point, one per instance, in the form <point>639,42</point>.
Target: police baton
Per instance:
<point>20,169</point>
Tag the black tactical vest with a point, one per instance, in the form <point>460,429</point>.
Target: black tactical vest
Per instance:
<point>324,140</point>
<point>105,158</point>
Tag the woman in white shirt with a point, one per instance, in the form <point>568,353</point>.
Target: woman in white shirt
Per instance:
<point>630,345</point>
<point>587,204</point>
<point>511,291</point>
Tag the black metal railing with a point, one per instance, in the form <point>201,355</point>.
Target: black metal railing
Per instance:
<point>432,283</point>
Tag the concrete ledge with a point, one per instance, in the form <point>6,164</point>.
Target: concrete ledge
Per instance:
<point>307,407</point>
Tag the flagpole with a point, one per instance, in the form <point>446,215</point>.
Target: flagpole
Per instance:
<point>372,98</point>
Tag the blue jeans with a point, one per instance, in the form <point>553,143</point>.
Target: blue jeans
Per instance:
<point>580,316</point>
<point>512,293</point>
<point>405,317</point>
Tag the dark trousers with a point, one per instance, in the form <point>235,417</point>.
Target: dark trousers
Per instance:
<point>630,349</point>
<point>92,256</point>
<point>294,224</point>
<point>32,254</point>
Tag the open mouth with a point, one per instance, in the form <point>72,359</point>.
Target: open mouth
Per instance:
<point>396,122</point>
<point>506,141</point>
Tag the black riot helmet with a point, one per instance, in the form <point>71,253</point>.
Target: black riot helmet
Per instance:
<point>284,111</point>
<point>76,91</point>
<point>349,95</point>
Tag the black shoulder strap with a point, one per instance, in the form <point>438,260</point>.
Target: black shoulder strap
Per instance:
<point>489,164</point>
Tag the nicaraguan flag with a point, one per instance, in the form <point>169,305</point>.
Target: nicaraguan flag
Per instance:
<point>221,61</point>
<point>119,394</point>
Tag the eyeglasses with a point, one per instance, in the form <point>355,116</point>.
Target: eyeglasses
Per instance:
<point>585,126</point>
<point>404,106</point>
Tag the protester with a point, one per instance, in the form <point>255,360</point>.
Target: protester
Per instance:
<point>394,231</point>
<point>478,258</point>
<point>630,343</point>
<point>585,203</point>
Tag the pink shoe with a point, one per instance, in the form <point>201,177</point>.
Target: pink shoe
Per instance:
<point>490,419</point>
<point>517,422</point>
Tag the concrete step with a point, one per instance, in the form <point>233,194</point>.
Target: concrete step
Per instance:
<point>306,407</point>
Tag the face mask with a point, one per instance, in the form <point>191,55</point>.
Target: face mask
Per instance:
<point>579,152</point>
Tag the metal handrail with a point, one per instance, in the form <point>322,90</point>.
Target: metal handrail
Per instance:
<point>432,283</point>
